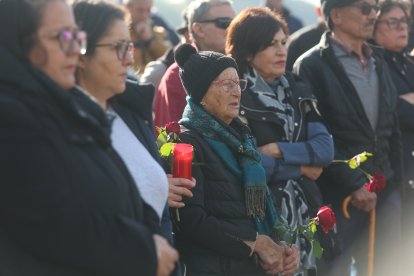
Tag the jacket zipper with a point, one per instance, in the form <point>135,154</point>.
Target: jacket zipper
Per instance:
<point>301,116</point>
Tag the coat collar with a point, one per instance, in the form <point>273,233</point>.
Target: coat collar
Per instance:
<point>42,93</point>
<point>325,46</point>
<point>138,98</point>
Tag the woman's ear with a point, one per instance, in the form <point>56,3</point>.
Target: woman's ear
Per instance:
<point>81,62</point>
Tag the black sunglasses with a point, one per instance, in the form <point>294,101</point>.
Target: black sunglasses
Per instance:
<point>220,22</point>
<point>366,8</point>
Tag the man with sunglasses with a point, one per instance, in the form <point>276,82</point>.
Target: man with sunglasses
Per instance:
<point>357,99</point>
<point>207,23</point>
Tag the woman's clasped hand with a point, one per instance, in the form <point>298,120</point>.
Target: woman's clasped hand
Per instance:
<point>276,258</point>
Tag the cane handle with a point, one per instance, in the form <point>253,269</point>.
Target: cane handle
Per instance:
<point>345,205</point>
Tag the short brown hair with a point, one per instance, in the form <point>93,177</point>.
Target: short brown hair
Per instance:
<point>251,32</point>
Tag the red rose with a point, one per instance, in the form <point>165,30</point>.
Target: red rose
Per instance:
<point>326,218</point>
<point>172,127</point>
<point>377,183</point>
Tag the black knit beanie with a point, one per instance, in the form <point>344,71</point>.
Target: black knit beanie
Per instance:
<point>198,70</point>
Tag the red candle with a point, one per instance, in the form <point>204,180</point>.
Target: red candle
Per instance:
<point>182,161</point>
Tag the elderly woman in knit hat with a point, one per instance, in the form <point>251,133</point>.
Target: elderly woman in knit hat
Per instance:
<point>226,227</point>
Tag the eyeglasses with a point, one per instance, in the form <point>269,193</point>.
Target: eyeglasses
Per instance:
<point>395,23</point>
<point>366,8</point>
<point>122,48</point>
<point>67,38</point>
<point>230,85</point>
<point>220,22</point>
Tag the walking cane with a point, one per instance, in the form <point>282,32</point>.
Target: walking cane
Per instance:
<point>371,241</point>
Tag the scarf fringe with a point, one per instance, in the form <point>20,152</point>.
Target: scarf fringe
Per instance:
<point>255,202</point>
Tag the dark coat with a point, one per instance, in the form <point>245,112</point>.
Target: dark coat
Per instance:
<point>302,40</point>
<point>267,128</point>
<point>134,106</point>
<point>348,123</point>
<point>402,72</point>
<point>213,224</point>
<point>67,201</point>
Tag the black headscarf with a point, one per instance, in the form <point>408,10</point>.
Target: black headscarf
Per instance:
<point>18,24</point>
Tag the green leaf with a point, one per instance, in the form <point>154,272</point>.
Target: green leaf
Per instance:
<point>313,228</point>
<point>284,232</point>
<point>166,150</point>
<point>353,164</point>
<point>162,137</point>
<point>301,228</point>
<point>317,249</point>
<point>356,161</point>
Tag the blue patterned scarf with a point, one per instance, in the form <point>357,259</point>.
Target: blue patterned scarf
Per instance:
<point>234,145</point>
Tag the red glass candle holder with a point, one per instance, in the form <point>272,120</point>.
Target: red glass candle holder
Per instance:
<point>182,161</point>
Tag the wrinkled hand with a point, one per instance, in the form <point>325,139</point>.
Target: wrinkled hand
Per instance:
<point>364,199</point>
<point>167,256</point>
<point>311,172</point>
<point>143,30</point>
<point>179,188</point>
<point>409,97</point>
<point>291,260</point>
<point>271,254</point>
<point>271,149</point>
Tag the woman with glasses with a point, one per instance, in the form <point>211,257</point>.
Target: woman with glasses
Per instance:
<point>225,228</point>
<point>391,32</point>
<point>68,205</point>
<point>281,112</point>
<point>102,74</point>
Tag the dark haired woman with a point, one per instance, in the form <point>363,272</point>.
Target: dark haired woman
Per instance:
<point>102,74</point>
<point>281,112</point>
<point>68,205</point>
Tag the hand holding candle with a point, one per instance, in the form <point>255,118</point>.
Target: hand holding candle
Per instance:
<point>182,160</point>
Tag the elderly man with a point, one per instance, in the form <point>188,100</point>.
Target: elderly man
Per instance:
<point>358,101</point>
<point>207,21</point>
<point>151,35</point>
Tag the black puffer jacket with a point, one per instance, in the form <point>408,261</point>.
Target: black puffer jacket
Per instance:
<point>213,224</point>
<point>68,205</point>
<point>347,122</point>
